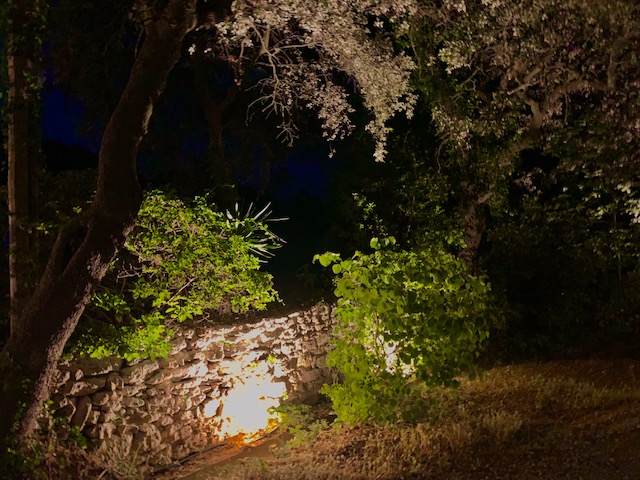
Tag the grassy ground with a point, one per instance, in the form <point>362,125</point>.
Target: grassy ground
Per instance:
<point>575,419</point>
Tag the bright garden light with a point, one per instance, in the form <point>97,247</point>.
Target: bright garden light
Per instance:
<point>247,409</point>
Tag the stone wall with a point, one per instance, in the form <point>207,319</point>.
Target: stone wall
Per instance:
<point>217,382</point>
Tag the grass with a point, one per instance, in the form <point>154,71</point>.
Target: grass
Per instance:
<point>578,419</point>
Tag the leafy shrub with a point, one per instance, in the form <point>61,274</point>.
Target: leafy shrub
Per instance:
<point>300,421</point>
<point>403,316</point>
<point>181,261</point>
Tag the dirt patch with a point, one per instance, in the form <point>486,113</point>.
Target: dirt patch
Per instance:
<point>223,456</point>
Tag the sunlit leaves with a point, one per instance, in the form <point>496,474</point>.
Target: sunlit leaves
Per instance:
<point>205,258</point>
<point>182,261</point>
<point>402,316</point>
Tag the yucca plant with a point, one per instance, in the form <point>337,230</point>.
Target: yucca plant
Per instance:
<point>252,225</point>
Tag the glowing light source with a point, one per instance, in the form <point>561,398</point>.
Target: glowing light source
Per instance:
<point>246,410</point>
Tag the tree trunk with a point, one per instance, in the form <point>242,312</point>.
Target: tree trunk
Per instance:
<point>225,194</point>
<point>474,205</point>
<point>473,223</point>
<point>19,138</point>
<point>85,246</point>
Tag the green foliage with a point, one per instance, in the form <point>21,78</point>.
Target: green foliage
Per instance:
<point>26,22</point>
<point>144,337</point>
<point>410,197</point>
<point>252,226</point>
<point>181,261</point>
<point>557,172</point>
<point>56,450</point>
<point>566,257</point>
<point>404,316</point>
<point>299,421</point>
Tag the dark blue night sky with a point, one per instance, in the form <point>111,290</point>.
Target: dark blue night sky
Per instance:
<point>61,117</point>
<point>298,186</point>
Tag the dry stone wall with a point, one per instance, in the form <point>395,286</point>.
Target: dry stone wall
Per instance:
<point>218,381</point>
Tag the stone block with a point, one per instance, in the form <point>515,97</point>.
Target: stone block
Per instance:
<point>160,389</point>
<point>68,409</point>
<point>191,370</point>
<point>214,352</point>
<point>100,432</point>
<point>60,378</point>
<point>184,403</point>
<point>231,350</point>
<point>180,451</point>
<point>86,386</point>
<point>205,340</point>
<point>184,416</point>
<point>164,420</point>
<point>249,335</point>
<point>169,433</point>
<point>286,349</point>
<point>111,416</point>
<point>113,381</point>
<point>172,394</point>
<point>177,345</point>
<point>172,410</point>
<point>161,458</point>
<point>169,362</point>
<point>138,373</point>
<point>58,401</point>
<point>197,355</point>
<point>290,365</point>
<point>133,402</point>
<point>323,341</point>
<point>100,399</point>
<point>134,417</point>
<point>155,416</point>
<point>161,376</point>
<point>309,345</point>
<point>74,372</point>
<point>98,366</point>
<point>93,418</point>
<point>146,439</point>
<point>187,384</point>
<point>188,333</point>
<point>161,401</point>
<point>230,367</point>
<point>197,399</point>
<point>83,409</point>
<point>132,390</point>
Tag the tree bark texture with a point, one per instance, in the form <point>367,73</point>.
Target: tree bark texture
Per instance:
<point>19,137</point>
<point>474,205</point>
<point>473,223</point>
<point>222,175</point>
<point>85,246</point>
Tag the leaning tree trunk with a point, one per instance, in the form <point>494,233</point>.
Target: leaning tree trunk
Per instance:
<point>85,246</point>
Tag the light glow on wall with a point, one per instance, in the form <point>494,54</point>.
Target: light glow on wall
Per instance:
<point>246,411</point>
